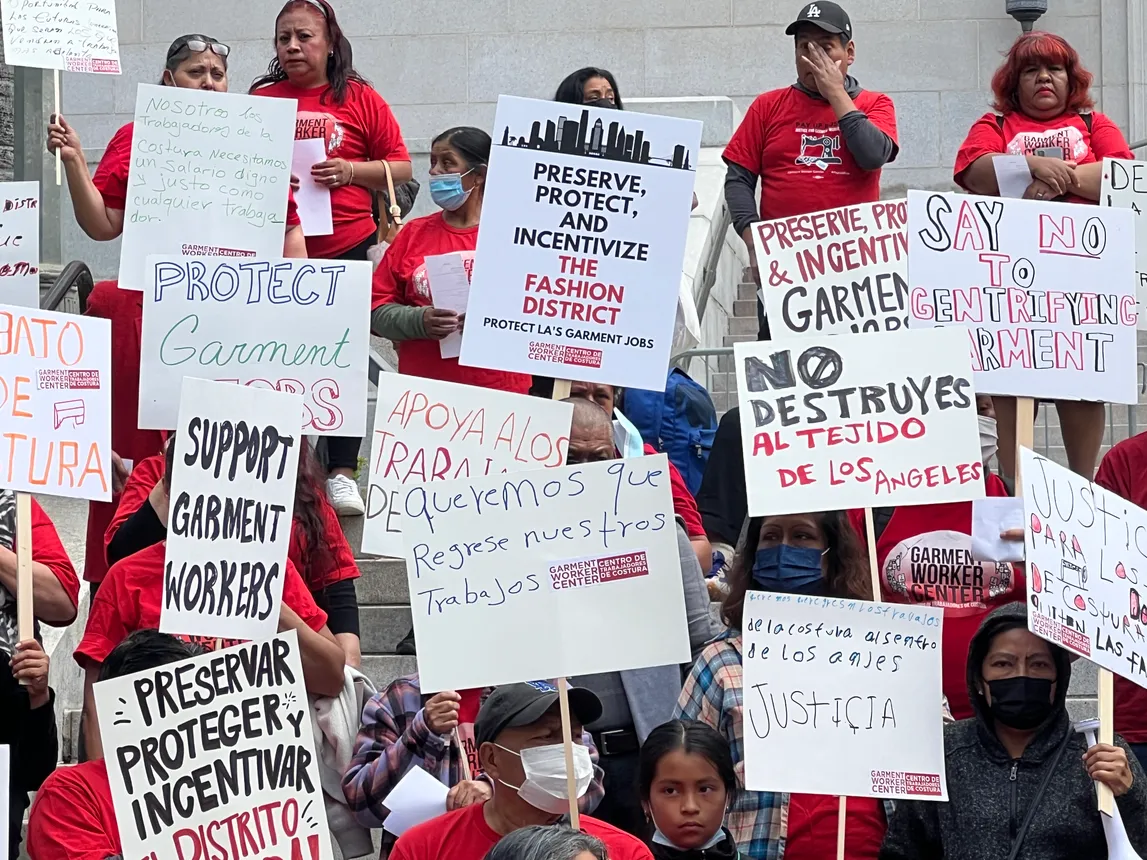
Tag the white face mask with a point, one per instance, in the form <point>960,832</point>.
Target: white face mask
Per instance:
<point>545,769</point>
<point>661,839</point>
<point>989,439</point>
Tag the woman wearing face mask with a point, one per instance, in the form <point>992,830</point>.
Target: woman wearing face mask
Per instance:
<point>793,554</point>
<point>590,86</point>
<point>402,308</point>
<point>1018,772</point>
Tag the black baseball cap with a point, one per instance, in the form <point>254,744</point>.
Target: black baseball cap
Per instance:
<point>513,705</point>
<point>824,14</point>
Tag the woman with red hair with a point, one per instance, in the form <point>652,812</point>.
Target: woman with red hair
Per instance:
<point>1043,111</point>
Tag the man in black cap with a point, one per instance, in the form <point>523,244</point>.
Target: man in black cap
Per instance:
<point>817,144</point>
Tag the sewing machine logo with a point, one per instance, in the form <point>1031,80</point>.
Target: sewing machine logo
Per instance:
<point>819,150</point>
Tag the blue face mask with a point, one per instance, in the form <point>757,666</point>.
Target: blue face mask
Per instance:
<point>789,570</point>
<point>446,190</point>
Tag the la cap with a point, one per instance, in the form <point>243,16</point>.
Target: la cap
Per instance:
<point>516,705</point>
<point>824,14</point>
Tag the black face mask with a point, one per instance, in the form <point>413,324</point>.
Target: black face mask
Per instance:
<point>601,103</point>
<point>1020,702</point>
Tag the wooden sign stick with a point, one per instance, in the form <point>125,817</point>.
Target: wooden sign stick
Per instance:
<point>466,775</point>
<point>56,87</point>
<point>25,617</point>
<point>567,742</point>
<point>840,828</point>
<point>873,565</point>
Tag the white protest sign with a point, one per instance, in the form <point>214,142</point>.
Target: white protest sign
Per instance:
<point>834,272</point>
<point>236,756</point>
<point>55,404</point>
<point>313,200</point>
<point>563,572</point>
<point>209,177</point>
<point>232,503</point>
<point>1125,187</point>
<point>862,421</point>
<point>581,243</point>
<point>427,430</point>
<point>61,34</point>
<point>843,697</point>
<point>1044,290</point>
<point>300,326</point>
<point>20,244</point>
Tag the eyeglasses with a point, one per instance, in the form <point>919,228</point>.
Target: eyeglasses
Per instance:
<point>198,46</point>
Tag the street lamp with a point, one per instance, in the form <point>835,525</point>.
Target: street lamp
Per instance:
<point>1027,12</point>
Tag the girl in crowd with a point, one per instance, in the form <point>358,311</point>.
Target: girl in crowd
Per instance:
<point>793,554</point>
<point>590,86</point>
<point>313,64</point>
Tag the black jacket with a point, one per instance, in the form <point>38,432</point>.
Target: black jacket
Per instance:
<point>989,792</point>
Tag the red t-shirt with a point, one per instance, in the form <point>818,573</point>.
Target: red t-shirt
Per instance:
<point>793,142</point>
<point>131,596</point>
<point>73,817</point>
<point>401,279</point>
<point>925,555</point>
<point>1021,135</point>
<point>49,551</point>
<point>684,505</point>
<point>813,824</point>
<point>467,715</point>
<point>465,835</point>
<point>363,128</point>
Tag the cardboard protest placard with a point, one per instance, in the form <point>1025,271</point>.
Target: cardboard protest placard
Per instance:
<point>209,177</point>
<point>426,430</point>
<point>62,34</point>
<point>581,243</point>
<point>861,421</point>
<point>569,571</point>
<point>1045,290</point>
<point>836,272</point>
<point>1125,187</point>
<point>55,404</point>
<point>300,326</point>
<point>231,509</point>
<point>843,697</point>
<point>236,762</point>
<point>20,244</point>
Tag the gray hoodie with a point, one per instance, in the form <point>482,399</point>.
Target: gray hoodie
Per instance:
<point>989,792</point>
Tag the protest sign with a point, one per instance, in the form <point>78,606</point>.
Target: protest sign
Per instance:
<point>20,244</point>
<point>565,572</point>
<point>1125,187</point>
<point>209,177</point>
<point>214,755</point>
<point>1044,290</point>
<point>62,34</point>
<point>581,243</point>
<point>843,697</point>
<point>426,430</point>
<point>300,326</point>
<point>55,404</point>
<point>231,509</point>
<point>834,272</point>
<point>861,421</point>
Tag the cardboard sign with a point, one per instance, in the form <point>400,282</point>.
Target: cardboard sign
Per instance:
<point>210,173</point>
<point>569,571</point>
<point>300,326</point>
<point>581,243</point>
<point>861,421</point>
<point>1046,292</point>
<point>836,272</point>
<point>55,404</point>
<point>843,697</point>
<point>236,761</point>
<point>20,244</point>
<point>231,509</point>
<point>426,430</point>
<point>62,34</point>
<point>1125,187</point>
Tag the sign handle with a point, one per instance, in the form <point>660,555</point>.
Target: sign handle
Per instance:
<point>567,741</point>
<point>466,775</point>
<point>873,565</point>
<point>1106,733</point>
<point>840,828</point>
<point>56,89</point>
<point>24,615</point>
<point>1025,432</point>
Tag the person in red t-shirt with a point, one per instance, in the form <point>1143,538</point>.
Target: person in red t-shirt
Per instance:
<point>817,144</point>
<point>1043,112</point>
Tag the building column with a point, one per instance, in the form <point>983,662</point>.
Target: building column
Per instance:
<point>32,105</point>
<point>1136,38</point>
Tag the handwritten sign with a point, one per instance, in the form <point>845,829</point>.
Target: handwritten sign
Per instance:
<point>215,751</point>
<point>1125,187</point>
<point>20,244</point>
<point>843,697</point>
<point>860,421</point>
<point>300,326</point>
<point>581,242</point>
<point>209,177</point>
<point>61,34</point>
<point>835,272</point>
<point>55,404</point>
<point>1046,292</point>
<point>232,502</point>
<point>547,569</point>
<point>426,430</point>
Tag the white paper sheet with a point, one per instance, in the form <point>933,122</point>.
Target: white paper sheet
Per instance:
<point>418,797</point>
<point>1012,175</point>
<point>313,200</point>
<point>993,515</point>
<point>450,291</point>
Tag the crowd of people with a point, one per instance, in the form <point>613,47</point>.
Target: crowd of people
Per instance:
<point>659,755</point>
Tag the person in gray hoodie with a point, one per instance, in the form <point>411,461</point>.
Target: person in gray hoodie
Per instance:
<point>1020,741</point>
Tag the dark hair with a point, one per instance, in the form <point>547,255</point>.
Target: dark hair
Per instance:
<point>179,51</point>
<point>168,462</point>
<point>471,143</point>
<point>308,490</point>
<point>847,574</point>
<point>571,91</point>
<point>689,736</point>
<point>546,842</point>
<point>1032,49</point>
<point>145,649</point>
<point>340,64</point>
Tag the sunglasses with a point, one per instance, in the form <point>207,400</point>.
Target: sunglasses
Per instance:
<point>198,46</point>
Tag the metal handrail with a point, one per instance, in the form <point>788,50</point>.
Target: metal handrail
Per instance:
<point>75,274</point>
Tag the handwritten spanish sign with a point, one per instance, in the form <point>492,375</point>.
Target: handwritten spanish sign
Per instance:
<point>1046,292</point>
<point>1125,187</point>
<point>426,430</point>
<point>55,403</point>
<point>843,697</point>
<point>299,326</point>
<point>232,502</point>
<point>860,421</point>
<point>209,177</point>
<point>581,242</point>
<point>836,272</point>
<point>62,34</point>
<point>20,244</point>
<point>215,751</point>
<point>546,568</point>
